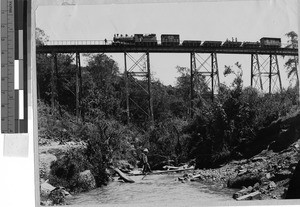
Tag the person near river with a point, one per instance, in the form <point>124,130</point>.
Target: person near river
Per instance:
<point>146,166</point>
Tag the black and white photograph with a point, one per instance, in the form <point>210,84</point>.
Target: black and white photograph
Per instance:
<point>167,103</point>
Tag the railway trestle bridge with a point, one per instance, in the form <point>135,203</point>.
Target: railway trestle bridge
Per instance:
<point>264,65</point>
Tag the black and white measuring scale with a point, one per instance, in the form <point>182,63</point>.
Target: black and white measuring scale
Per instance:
<point>14,114</point>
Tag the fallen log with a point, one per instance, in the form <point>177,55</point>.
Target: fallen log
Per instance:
<point>242,192</point>
<point>168,167</point>
<point>123,176</point>
<point>255,195</point>
<point>162,171</point>
<point>197,177</point>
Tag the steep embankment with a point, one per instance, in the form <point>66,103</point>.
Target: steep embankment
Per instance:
<point>278,136</point>
<point>269,165</point>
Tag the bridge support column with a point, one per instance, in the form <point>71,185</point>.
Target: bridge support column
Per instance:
<point>127,89</point>
<point>193,69</point>
<point>215,80</point>
<point>149,90</point>
<point>78,87</point>
<point>274,75</point>
<point>265,69</point>
<point>53,81</point>
<point>205,77</point>
<point>139,74</point>
<point>255,73</point>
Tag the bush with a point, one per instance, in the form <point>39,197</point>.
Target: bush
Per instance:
<point>65,171</point>
<point>233,120</point>
<point>166,142</point>
<point>97,159</point>
<point>107,142</point>
<point>54,126</point>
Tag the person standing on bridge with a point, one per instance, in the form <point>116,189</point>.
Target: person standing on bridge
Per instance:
<point>146,166</point>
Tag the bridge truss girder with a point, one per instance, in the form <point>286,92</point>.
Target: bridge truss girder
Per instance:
<point>140,68</point>
<point>265,73</point>
<point>207,71</point>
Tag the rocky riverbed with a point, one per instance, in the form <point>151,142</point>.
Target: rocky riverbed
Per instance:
<point>264,176</point>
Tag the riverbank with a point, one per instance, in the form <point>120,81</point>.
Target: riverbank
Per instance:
<point>262,177</point>
<point>265,175</point>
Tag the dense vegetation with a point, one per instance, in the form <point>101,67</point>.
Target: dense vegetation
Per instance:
<point>214,135</point>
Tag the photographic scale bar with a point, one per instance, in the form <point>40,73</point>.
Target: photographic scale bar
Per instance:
<point>14,113</point>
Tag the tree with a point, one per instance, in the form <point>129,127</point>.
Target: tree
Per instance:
<point>292,63</point>
<point>57,81</point>
<point>102,87</point>
<point>293,41</point>
<point>43,63</point>
<point>40,37</point>
<point>237,83</point>
<point>183,87</point>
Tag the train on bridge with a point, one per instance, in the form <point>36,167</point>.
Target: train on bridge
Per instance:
<point>174,40</point>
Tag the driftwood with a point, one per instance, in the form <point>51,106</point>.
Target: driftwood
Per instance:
<point>242,192</point>
<point>163,171</point>
<point>197,177</point>
<point>167,167</point>
<point>123,176</point>
<point>255,195</point>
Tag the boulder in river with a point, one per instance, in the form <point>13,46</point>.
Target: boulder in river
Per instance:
<point>86,180</point>
<point>46,189</point>
<point>58,196</point>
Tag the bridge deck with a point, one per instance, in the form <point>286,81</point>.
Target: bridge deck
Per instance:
<point>162,49</point>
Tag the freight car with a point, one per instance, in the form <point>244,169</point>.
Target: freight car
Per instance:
<point>191,43</point>
<point>212,43</point>
<point>270,42</point>
<point>170,39</point>
<point>229,43</point>
<point>251,44</point>
<point>145,40</point>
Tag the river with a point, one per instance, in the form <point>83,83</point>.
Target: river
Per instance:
<point>159,190</point>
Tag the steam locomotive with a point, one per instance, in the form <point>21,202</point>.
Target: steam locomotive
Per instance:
<point>174,40</point>
<point>136,39</point>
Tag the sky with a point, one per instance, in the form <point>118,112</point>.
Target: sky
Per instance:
<point>214,20</point>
